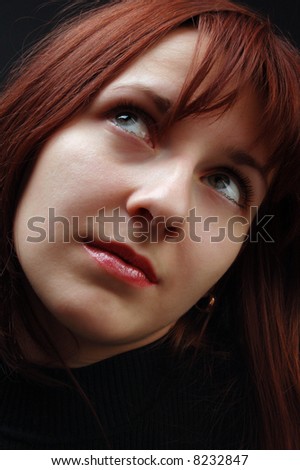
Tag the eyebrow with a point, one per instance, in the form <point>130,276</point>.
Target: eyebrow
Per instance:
<point>239,157</point>
<point>244,159</point>
<point>162,104</point>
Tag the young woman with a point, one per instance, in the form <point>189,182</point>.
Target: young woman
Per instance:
<point>149,233</point>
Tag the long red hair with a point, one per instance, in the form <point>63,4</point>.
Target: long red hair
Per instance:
<point>260,293</point>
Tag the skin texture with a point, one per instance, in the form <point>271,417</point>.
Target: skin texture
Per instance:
<point>103,159</point>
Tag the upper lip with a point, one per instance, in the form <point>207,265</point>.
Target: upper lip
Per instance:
<point>126,253</point>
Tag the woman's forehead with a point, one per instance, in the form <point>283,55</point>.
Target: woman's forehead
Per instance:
<point>165,65</point>
<point>162,72</point>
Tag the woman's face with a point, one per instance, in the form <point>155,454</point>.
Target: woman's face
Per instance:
<point>175,208</point>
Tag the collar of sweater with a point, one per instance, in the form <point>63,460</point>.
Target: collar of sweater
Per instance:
<point>118,390</point>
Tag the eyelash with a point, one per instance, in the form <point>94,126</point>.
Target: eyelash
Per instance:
<point>126,105</point>
<point>244,183</point>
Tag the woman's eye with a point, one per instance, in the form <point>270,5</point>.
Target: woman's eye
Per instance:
<point>133,123</point>
<point>225,185</point>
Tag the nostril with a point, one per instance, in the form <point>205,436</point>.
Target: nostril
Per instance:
<point>144,214</point>
<point>171,233</point>
<point>172,229</point>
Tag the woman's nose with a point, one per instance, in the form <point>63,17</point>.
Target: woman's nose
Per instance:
<point>166,193</point>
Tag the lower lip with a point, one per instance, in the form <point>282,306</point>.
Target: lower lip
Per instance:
<point>118,268</point>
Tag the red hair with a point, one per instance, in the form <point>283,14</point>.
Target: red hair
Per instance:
<point>260,294</point>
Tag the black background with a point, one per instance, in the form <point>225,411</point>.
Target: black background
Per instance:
<point>22,22</point>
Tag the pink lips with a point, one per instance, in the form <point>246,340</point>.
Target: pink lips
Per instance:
<point>123,263</point>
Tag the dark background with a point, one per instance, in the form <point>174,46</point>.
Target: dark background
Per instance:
<point>22,22</point>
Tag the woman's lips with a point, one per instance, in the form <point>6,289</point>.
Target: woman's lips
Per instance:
<point>123,263</point>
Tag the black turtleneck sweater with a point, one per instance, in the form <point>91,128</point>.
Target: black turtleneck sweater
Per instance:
<point>147,398</point>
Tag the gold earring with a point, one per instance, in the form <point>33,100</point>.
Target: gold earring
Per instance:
<point>212,301</point>
<point>206,303</point>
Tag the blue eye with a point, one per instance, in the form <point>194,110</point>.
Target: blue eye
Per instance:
<point>225,185</point>
<point>134,121</point>
<point>234,186</point>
